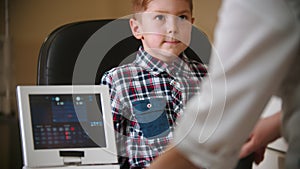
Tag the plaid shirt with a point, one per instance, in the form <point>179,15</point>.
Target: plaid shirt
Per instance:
<point>147,96</point>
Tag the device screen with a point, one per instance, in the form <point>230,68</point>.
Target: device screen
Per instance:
<point>67,121</point>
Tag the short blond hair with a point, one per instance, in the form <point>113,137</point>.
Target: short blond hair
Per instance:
<point>142,5</point>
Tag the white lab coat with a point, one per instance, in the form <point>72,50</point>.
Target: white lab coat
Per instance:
<point>256,55</point>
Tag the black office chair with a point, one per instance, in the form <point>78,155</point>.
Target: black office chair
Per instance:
<point>60,52</point>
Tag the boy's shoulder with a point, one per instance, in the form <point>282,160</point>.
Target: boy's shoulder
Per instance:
<point>196,64</point>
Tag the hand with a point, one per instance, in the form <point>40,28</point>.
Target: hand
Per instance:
<point>266,131</point>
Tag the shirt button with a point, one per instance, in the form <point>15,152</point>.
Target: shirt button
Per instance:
<point>149,105</point>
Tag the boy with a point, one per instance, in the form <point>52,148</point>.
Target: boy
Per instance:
<point>148,95</point>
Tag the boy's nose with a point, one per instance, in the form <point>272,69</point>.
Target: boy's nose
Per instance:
<point>172,26</point>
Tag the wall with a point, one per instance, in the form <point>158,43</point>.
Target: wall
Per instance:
<point>33,20</point>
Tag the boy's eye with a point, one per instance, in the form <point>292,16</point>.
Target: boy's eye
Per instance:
<point>183,17</point>
<point>159,17</point>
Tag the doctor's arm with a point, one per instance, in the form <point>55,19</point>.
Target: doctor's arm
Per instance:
<point>266,131</point>
<point>172,159</point>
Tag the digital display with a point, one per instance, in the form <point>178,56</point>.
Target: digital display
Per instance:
<point>67,121</point>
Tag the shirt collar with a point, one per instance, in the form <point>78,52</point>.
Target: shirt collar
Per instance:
<point>179,66</point>
<point>149,62</point>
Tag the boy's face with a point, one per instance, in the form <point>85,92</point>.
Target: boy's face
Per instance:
<point>164,28</point>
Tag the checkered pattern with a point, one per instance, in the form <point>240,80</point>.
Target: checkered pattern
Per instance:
<point>145,79</point>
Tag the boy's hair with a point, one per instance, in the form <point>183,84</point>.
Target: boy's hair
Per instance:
<point>142,5</point>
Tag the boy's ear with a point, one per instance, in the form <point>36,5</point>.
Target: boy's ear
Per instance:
<point>135,28</point>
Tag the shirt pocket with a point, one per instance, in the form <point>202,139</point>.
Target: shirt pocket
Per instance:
<point>151,117</point>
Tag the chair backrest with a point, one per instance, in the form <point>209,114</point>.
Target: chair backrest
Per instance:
<point>61,49</point>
